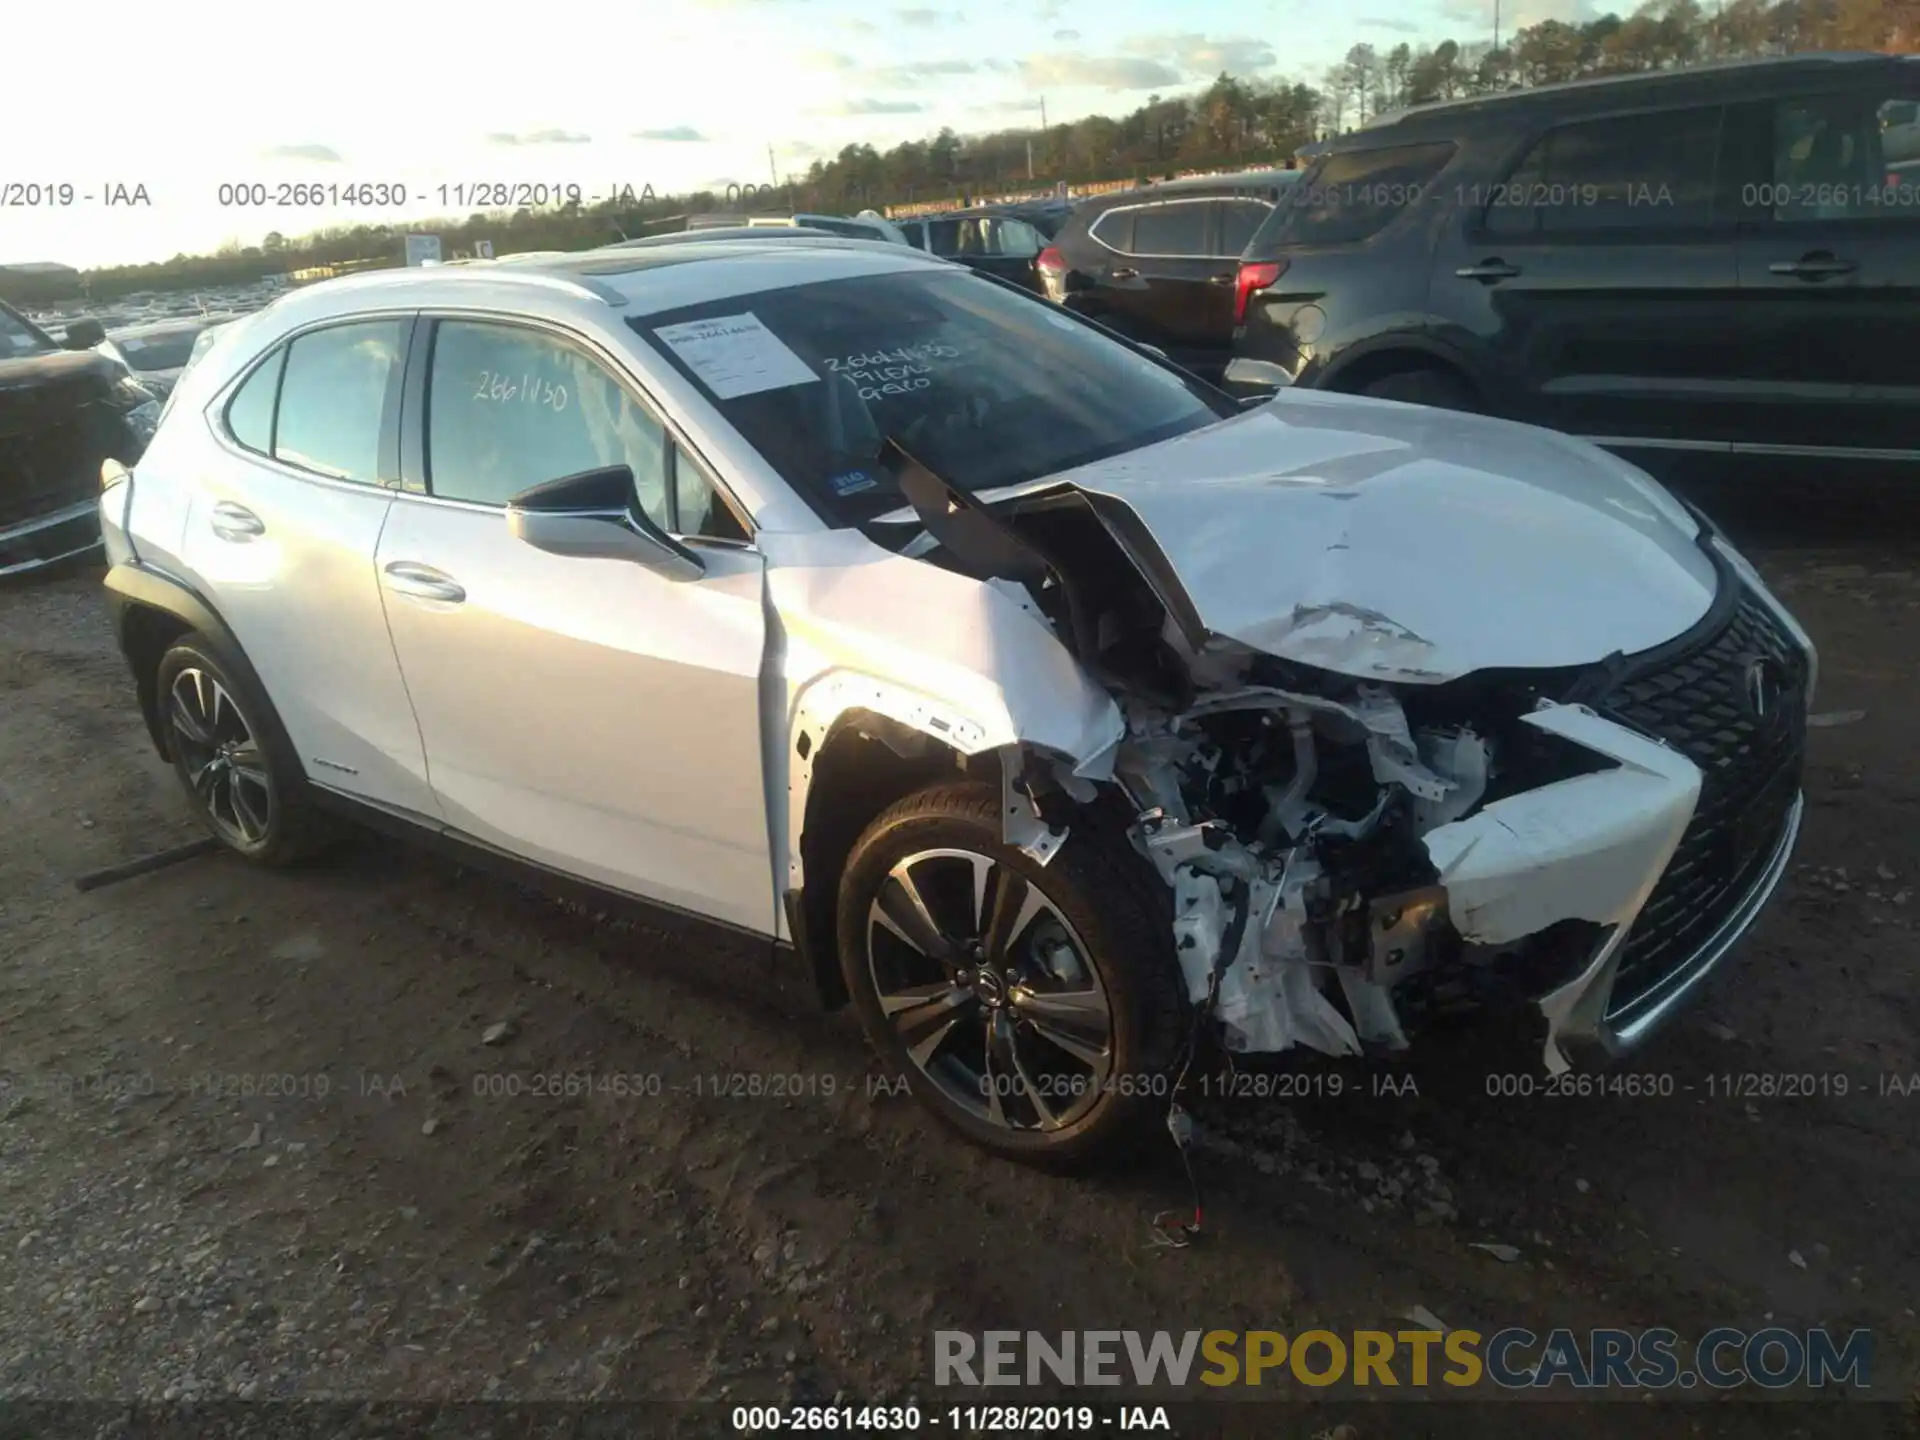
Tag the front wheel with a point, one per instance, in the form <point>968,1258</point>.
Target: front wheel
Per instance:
<point>1037,1010</point>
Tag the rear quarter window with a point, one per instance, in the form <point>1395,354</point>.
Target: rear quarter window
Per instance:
<point>1352,197</point>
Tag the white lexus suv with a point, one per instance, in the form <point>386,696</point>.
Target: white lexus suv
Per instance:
<point>1046,704</point>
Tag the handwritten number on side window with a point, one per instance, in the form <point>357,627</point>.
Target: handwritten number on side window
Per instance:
<point>528,389</point>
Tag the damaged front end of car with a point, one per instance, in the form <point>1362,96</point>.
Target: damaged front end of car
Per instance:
<point>1353,861</point>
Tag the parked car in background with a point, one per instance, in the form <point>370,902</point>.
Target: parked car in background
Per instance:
<point>157,351</point>
<point>988,240</point>
<point>1158,263</point>
<point>1047,216</point>
<point>869,225</point>
<point>1030,694</point>
<point>1723,259</point>
<point>64,412</point>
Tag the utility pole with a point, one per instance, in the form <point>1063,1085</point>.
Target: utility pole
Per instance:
<point>773,169</point>
<point>1029,157</point>
<point>1496,26</point>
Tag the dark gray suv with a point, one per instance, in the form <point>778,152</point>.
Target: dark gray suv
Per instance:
<point>1722,259</point>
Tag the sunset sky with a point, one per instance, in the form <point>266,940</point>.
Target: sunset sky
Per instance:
<point>676,94</point>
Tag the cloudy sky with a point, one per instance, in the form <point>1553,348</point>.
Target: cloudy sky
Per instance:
<point>670,93</point>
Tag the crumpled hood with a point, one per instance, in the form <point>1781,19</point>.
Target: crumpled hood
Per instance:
<point>1399,542</point>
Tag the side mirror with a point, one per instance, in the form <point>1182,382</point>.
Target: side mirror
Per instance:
<point>592,516</point>
<point>85,334</point>
<point>1255,380</point>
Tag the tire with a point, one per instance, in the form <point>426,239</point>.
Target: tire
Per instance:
<point>1090,932</point>
<point>1424,387</point>
<point>232,757</point>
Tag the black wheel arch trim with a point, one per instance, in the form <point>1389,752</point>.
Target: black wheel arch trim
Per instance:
<point>133,587</point>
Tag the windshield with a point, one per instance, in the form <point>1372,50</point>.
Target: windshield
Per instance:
<point>983,384</point>
<point>168,350</point>
<point>18,337</point>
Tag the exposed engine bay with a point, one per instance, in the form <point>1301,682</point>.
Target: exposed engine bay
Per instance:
<point>1290,827</point>
<point>1347,858</point>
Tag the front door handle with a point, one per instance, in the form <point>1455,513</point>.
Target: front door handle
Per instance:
<point>236,522</point>
<point>1488,270</point>
<point>423,582</point>
<point>1123,272</point>
<point>1817,266</point>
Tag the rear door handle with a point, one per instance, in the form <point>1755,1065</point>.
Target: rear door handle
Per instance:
<point>1123,272</point>
<point>236,522</point>
<point>423,582</point>
<point>1813,267</point>
<point>1226,279</point>
<point>1495,269</point>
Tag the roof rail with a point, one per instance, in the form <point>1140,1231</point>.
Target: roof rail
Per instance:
<point>549,270</point>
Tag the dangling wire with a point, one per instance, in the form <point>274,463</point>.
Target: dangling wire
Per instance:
<point>1167,1229</point>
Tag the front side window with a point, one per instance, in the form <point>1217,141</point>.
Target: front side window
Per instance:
<point>984,385</point>
<point>1853,156</point>
<point>1178,228</point>
<point>1627,172</point>
<point>509,408</point>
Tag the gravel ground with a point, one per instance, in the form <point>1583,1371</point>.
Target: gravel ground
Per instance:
<point>272,1136</point>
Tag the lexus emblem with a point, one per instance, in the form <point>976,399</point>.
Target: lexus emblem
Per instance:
<point>1763,688</point>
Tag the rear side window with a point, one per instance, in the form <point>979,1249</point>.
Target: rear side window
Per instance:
<point>1628,172</point>
<point>1353,197</point>
<point>1114,230</point>
<point>1178,228</point>
<point>250,412</point>
<point>333,396</point>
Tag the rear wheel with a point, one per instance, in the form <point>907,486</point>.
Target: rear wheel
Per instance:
<point>238,776</point>
<point>1037,1010</point>
<point>1424,387</point>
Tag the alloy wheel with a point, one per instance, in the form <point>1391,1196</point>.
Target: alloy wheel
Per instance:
<point>223,761</point>
<point>989,990</point>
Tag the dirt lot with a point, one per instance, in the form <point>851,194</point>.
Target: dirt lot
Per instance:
<point>392,1230</point>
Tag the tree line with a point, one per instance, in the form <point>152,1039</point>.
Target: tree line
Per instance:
<point>1234,121</point>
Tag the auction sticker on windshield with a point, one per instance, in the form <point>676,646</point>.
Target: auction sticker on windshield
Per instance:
<point>736,355</point>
